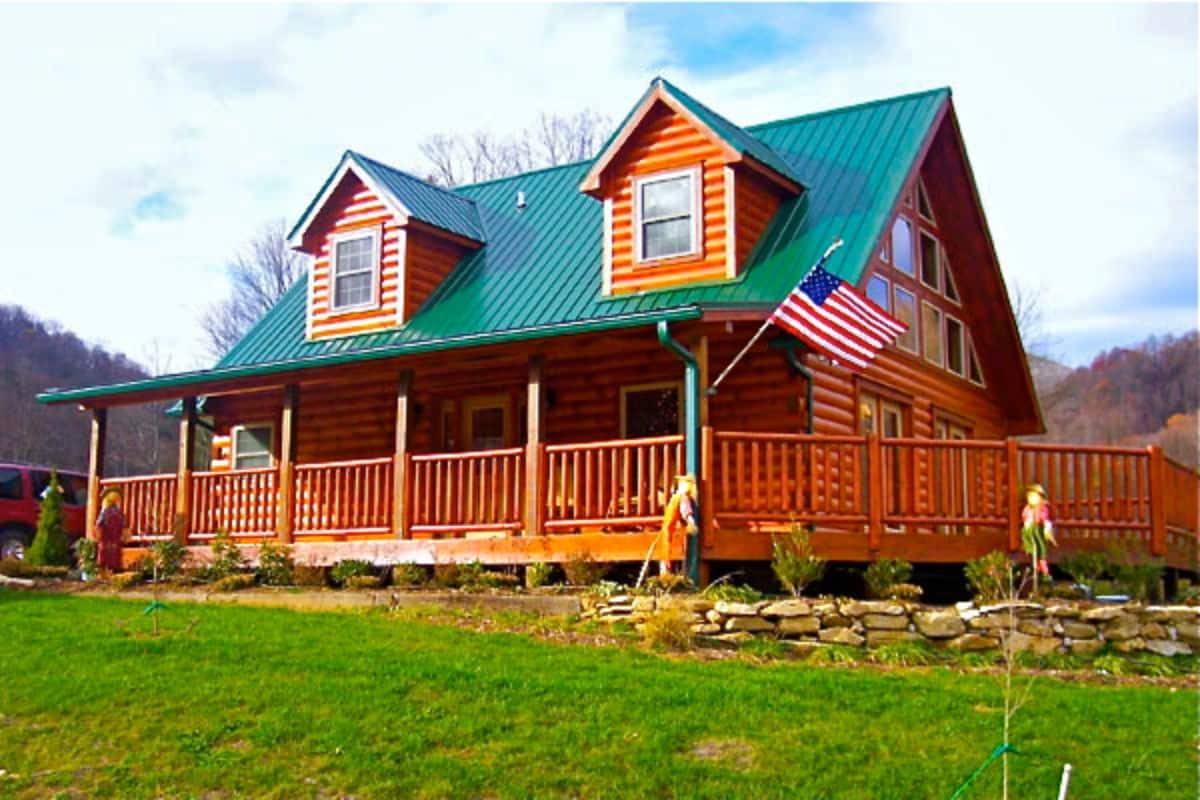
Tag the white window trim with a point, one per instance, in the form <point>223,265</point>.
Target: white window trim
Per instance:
<point>694,174</point>
<point>941,334</point>
<point>606,288</point>
<point>962,339</point>
<point>233,438</point>
<point>916,325</point>
<point>376,261</point>
<point>913,233</point>
<point>647,387</point>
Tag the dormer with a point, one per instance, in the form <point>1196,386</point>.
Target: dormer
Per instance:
<point>686,194</point>
<point>381,241</point>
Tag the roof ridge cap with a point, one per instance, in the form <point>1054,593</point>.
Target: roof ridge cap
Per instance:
<point>844,109</point>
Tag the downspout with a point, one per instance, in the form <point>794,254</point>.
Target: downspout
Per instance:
<point>691,432</point>
<point>797,365</point>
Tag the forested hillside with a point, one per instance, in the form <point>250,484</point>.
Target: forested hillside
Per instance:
<point>1138,395</point>
<point>35,355</point>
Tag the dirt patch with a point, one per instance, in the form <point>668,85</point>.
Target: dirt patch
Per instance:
<point>735,754</point>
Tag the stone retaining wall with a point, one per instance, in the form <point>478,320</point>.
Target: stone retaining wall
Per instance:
<point>1059,627</point>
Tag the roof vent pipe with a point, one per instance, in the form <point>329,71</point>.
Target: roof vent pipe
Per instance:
<point>520,200</point>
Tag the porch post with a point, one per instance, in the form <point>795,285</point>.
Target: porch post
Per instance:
<point>1158,499</point>
<point>286,490</point>
<point>874,493</point>
<point>95,469</point>
<point>535,401</point>
<point>1013,458</point>
<point>691,432</point>
<point>183,472</point>
<point>400,485</point>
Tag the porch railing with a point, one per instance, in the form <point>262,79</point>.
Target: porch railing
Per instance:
<point>623,482</point>
<point>239,503</point>
<point>148,504</point>
<point>753,482</point>
<point>458,492</point>
<point>343,497</point>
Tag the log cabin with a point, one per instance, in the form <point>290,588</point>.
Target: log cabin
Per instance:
<point>513,371</point>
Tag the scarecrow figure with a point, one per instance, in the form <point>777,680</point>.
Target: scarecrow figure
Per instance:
<point>1037,529</point>
<point>110,526</point>
<point>680,513</point>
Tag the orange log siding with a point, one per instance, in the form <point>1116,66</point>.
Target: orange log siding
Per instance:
<point>666,141</point>
<point>755,202</point>
<point>353,207</point>
<point>428,261</point>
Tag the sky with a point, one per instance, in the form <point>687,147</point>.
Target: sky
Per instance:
<point>142,145</point>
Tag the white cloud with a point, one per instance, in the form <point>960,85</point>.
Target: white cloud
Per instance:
<point>1076,118</point>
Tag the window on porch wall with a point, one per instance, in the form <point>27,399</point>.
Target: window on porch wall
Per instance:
<point>252,446</point>
<point>651,410</point>
<point>886,418</point>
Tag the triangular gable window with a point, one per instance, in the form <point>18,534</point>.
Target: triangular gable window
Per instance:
<point>948,284</point>
<point>974,373</point>
<point>923,206</point>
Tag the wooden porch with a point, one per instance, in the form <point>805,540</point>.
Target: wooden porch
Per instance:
<point>925,500</point>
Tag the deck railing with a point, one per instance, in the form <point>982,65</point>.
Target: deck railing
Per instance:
<point>457,492</point>
<point>880,490</point>
<point>148,504</point>
<point>239,503</point>
<point>622,482</point>
<point>343,497</point>
<point>767,478</point>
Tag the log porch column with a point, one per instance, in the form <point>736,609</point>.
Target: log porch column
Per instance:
<point>400,458</point>
<point>535,401</point>
<point>95,468</point>
<point>1158,499</point>
<point>183,472</point>
<point>286,490</point>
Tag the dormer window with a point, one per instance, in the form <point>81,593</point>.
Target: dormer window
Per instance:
<point>667,215</point>
<point>355,270</point>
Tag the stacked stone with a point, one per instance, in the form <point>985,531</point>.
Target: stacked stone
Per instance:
<point>1040,629</point>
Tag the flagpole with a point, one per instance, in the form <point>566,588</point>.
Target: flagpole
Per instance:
<point>712,390</point>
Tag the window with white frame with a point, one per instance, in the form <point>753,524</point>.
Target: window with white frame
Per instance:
<point>252,446</point>
<point>355,270</point>
<point>667,214</point>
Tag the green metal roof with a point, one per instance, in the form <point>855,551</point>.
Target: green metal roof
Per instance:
<point>431,204</point>
<point>540,272</point>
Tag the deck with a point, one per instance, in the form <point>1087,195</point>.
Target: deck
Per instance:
<point>925,500</point>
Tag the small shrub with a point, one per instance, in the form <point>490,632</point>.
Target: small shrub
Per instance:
<point>607,588</point>
<point>1138,575</point>
<point>990,576</point>
<point>125,580</point>
<point>407,576</point>
<point>834,654</point>
<point>537,574</point>
<point>793,561</point>
<point>667,583</point>
<point>669,629</point>
<point>1084,568</point>
<point>904,654</point>
<point>732,593</point>
<point>309,576</point>
<point>363,582</point>
<point>350,568</point>
<point>582,569</point>
<point>50,544</point>
<point>227,558</point>
<point>1112,664</point>
<point>86,553</point>
<point>884,573</point>
<point>275,564</point>
<point>447,576</point>
<point>905,591</point>
<point>166,558</point>
<point>234,583</point>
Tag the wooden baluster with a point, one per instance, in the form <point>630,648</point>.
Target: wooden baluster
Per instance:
<point>875,483</point>
<point>1011,493</point>
<point>1158,501</point>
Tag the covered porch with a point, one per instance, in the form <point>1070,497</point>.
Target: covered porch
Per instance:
<point>515,454</point>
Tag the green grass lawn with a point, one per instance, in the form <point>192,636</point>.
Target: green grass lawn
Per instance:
<point>274,703</point>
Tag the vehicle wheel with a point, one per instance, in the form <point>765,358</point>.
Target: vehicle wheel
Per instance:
<point>13,543</point>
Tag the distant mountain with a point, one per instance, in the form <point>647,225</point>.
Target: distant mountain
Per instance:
<point>35,355</point>
<point>1149,393</point>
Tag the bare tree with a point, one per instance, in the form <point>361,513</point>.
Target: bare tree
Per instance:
<point>1029,312</point>
<point>555,139</point>
<point>258,276</point>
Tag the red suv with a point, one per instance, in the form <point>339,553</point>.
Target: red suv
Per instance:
<point>21,489</point>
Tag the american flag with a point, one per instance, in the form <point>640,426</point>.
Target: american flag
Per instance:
<point>827,313</point>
